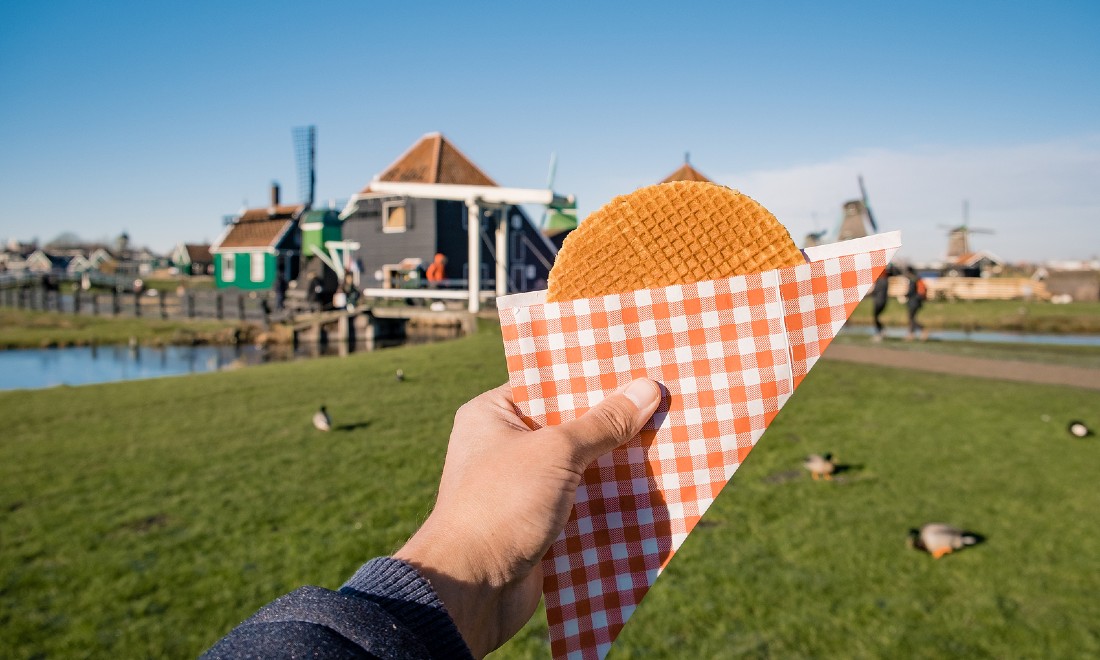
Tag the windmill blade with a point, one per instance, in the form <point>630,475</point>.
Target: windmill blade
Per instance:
<point>867,205</point>
<point>551,174</point>
<point>305,143</point>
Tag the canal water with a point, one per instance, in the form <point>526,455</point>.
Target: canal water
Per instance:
<point>983,337</point>
<point>50,367</point>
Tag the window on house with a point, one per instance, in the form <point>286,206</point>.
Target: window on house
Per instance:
<point>229,267</point>
<point>519,248</point>
<point>257,270</point>
<point>394,216</point>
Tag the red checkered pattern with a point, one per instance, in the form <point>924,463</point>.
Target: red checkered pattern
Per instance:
<point>728,354</point>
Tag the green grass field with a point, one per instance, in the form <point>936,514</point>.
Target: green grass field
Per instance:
<point>145,519</point>
<point>31,329</point>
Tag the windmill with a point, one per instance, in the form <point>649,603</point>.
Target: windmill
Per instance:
<point>958,236</point>
<point>321,228</point>
<point>559,215</point>
<point>857,215</point>
<point>305,151</point>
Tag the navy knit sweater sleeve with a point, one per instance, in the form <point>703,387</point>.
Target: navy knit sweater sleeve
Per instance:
<point>386,610</point>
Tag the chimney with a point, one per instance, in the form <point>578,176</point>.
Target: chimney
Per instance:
<point>274,194</point>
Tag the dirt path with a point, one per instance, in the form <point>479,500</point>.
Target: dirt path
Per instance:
<point>1028,372</point>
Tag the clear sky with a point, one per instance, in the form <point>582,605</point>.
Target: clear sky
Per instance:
<point>159,118</point>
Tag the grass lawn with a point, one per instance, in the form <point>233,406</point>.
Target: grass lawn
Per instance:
<point>145,519</point>
<point>1000,315</point>
<point>31,329</point>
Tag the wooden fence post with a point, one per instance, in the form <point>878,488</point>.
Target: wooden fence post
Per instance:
<point>95,305</point>
<point>219,306</point>
<point>190,305</point>
<point>240,306</point>
<point>116,307</point>
<point>76,300</point>
<point>137,303</point>
<point>163,305</point>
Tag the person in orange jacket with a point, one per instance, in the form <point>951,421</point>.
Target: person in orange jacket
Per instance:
<point>436,272</point>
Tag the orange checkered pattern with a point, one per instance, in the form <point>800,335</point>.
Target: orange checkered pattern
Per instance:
<point>728,354</point>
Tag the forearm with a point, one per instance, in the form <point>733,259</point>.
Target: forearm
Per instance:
<point>385,610</point>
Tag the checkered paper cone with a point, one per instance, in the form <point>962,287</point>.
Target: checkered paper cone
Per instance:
<point>728,353</point>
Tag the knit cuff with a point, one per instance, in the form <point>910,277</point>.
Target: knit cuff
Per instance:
<point>409,598</point>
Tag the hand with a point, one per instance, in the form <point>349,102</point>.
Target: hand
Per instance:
<point>505,495</point>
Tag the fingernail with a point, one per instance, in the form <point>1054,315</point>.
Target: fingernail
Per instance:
<point>643,392</point>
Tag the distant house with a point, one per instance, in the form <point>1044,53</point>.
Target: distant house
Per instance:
<point>44,262</point>
<point>395,228</point>
<point>257,245</point>
<point>974,264</point>
<point>1081,285</point>
<point>12,262</point>
<point>79,264</point>
<point>686,173</point>
<point>192,259</point>
<point>98,257</point>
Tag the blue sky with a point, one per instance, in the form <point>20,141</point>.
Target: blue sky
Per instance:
<point>159,118</point>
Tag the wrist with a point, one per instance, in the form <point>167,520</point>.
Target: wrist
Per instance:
<point>407,595</point>
<point>466,595</point>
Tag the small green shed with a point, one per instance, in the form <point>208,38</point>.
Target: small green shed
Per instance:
<point>318,227</point>
<point>257,246</point>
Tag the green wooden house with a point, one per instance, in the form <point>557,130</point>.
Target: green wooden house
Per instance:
<point>258,245</point>
<point>319,226</point>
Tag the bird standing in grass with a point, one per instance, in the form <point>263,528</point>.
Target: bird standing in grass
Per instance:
<point>321,420</point>
<point>820,466</point>
<point>1078,429</point>
<point>400,375</point>
<point>939,539</point>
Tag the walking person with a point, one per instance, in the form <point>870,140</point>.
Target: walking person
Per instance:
<point>280,291</point>
<point>914,300</point>
<point>879,296</point>
<point>437,271</point>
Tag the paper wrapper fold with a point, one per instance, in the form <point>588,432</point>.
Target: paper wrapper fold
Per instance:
<point>728,354</point>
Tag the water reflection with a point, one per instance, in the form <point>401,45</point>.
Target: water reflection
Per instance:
<point>983,336</point>
<point>49,367</point>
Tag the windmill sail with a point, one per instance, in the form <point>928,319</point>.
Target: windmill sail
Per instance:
<point>305,148</point>
<point>867,205</point>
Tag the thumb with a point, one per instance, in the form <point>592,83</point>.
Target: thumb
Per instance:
<point>611,422</point>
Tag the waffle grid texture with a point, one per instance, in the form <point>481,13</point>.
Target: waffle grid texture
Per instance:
<point>671,233</point>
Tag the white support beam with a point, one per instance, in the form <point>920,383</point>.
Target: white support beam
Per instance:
<point>473,258</point>
<point>502,252</point>
<point>334,266</point>
<point>484,194</point>
<point>425,294</point>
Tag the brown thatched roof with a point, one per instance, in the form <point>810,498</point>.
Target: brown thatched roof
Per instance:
<point>686,173</point>
<point>433,159</point>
